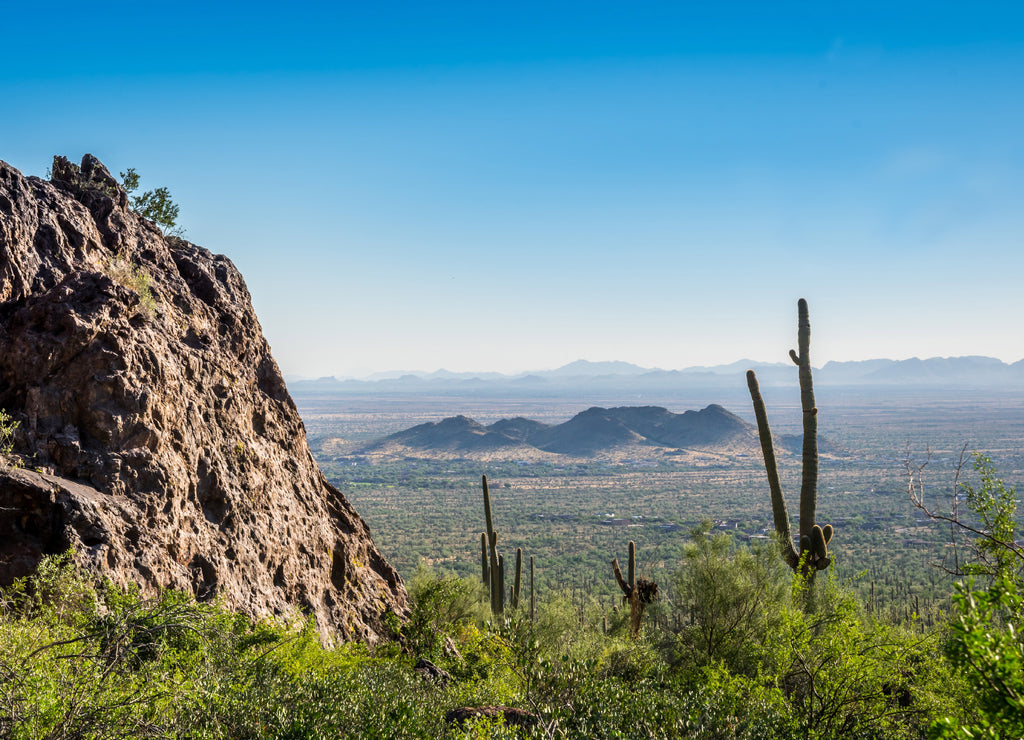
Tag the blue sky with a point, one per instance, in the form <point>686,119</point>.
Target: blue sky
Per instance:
<point>513,186</point>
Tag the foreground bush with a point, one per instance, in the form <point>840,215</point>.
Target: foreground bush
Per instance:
<point>84,661</point>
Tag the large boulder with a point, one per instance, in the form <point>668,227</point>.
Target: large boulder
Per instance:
<point>157,437</point>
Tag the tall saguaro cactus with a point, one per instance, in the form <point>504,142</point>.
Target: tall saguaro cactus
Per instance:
<point>496,584</point>
<point>492,564</point>
<point>813,554</point>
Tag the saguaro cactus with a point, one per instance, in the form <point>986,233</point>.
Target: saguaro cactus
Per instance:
<point>813,553</point>
<point>494,569</point>
<point>492,564</point>
<point>533,598</point>
<point>639,593</point>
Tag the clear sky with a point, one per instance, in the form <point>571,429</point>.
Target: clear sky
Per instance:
<point>513,186</point>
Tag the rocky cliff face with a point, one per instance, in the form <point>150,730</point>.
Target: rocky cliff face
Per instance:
<point>156,434</point>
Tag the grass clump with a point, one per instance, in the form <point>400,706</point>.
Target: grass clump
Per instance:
<point>135,278</point>
<point>7,428</point>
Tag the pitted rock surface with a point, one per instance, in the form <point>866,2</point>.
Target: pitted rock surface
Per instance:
<point>157,436</point>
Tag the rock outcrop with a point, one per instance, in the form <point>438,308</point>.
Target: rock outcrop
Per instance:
<point>156,436</point>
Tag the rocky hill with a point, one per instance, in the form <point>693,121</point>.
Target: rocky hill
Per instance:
<point>156,435</point>
<point>596,431</point>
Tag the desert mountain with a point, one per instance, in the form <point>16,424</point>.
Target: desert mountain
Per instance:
<point>587,433</point>
<point>454,433</point>
<point>156,434</point>
<point>621,377</point>
<point>591,432</point>
<point>519,429</point>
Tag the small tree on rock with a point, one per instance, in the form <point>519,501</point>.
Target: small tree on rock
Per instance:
<point>156,205</point>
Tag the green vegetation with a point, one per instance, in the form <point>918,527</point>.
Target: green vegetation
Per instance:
<point>992,551</point>
<point>890,647</point>
<point>737,646</point>
<point>986,643</point>
<point>135,278</point>
<point>573,519</point>
<point>986,635</point>
<point>741,650</point>
<point>7,427</point>
<point>728,601</point>
<point>156,205</point>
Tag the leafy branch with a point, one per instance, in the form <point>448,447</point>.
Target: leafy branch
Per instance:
<point>156,205</point>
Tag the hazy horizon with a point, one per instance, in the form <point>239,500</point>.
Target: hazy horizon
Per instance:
<point>398,372</point>
<point>472,186</point>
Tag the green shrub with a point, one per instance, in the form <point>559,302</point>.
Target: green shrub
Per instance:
<point>727,603</point>
<point>986,635</point>
<point>993,550</point>
<point>156,205</point>
<point>7,427</point>
<point>985,639</point>
<point>986,643</point>
<point>84,661</point>
<point>846,674</point>
<point>440,606</point>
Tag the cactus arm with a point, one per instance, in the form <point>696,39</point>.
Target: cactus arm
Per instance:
<point>779,513</point>
<point>618,577</point>
<point>519,573</point>
<point>487,506</point>
<point>533,598</point>
<point>632,564</point>
<point>818,547</point>
<point>495,573</point>
<point>501,584</point>
<point>484,570</point>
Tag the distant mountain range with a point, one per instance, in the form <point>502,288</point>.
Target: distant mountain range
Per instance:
<point>963,372</point>
<point>592,432</point>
